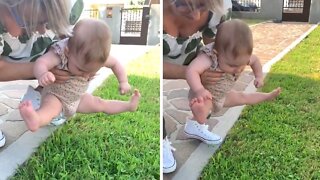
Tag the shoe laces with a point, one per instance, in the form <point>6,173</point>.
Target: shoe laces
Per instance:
<point>167,144</point>
<point>204,127</point>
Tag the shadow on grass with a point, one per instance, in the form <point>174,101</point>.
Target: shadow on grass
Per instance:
<point>123,146</point>
<point>274,140</point>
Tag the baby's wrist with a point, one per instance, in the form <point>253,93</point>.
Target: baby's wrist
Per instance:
<point>41,75</point>
<point>259,77</point>
<point>199,90</point>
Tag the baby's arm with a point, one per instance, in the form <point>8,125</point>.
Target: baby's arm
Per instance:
<point>120,72</point>
<point>201,63</point>
<point>42,66</point>
<point>257,71</point>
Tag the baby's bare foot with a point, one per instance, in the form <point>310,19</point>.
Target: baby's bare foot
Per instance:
<point>273,94</point>
<point>29,115</point>
<point>134,101</point>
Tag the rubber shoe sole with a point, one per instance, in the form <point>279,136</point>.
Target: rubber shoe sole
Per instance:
<point>167,170</point>
<point>207,141</point>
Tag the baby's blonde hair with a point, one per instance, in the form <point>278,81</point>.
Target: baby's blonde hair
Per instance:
<point>58,12</point>
<point>91,40</point>
<point>235,37</point>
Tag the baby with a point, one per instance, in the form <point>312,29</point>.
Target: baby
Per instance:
<point>231,53</point>
<point>82,55</point>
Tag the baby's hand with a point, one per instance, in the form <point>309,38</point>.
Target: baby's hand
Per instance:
<point>46,79</point>
<point>201,95</point>
<point>124,87</point>
<point>258,82</point>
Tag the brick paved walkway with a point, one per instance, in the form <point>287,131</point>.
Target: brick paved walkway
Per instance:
<point>269,40</point>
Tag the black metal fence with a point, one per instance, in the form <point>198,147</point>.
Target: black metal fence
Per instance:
<point>246,5</point>
<point>293,6</point>
<point>131,21</point>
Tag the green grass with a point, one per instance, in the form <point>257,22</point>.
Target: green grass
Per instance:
<point>97,146</point>
<point>279,139</point>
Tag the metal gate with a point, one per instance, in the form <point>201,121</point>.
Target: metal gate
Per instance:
<point>134,25</point>
<point>296,10</point>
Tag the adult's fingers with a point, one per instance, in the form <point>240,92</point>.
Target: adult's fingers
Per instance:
<point>61,76</point>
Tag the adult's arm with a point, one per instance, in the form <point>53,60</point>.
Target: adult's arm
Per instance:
<point>173,71</point>
<point>10,71</point>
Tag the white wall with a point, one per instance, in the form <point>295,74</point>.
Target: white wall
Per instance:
<point>154,25</point>
<point>314,11</point>
<point>114,23</point>
<point>270,9</point>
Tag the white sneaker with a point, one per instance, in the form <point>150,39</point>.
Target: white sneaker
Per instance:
<point>200,131</point>
<point>169,163</point>
<point>2,139</point>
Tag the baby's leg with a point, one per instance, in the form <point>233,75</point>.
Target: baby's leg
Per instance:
<point>196,127</point>
<point>235,98</point>
<point>50,107</point>
<point>200,110</point>
<point>92,104</point>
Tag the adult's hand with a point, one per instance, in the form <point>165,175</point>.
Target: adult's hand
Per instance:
<point>210,77</point>
<point>60,75</point>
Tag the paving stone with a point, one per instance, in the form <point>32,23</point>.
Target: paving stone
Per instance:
<point>12,131</point>
<point>181,104</point>
<point>3,110</point>
<point>14,116</point>
<point>181,135</point>
<point>13,86</point>
<point>12,103</point>
<point>182,153</point>
<point>15,94</point>
<point>178,93</point>
<point>178,115</point>
<point>220,113</point>
<point>246,78</point>
<point>165,93</point>
<point>286,33</point>
<point>175,84</point>
<point>165,104</point>
<point>170,124</point>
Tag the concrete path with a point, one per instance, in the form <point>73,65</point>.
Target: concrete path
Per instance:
<point>21,143</point>
<point>271,42</point>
